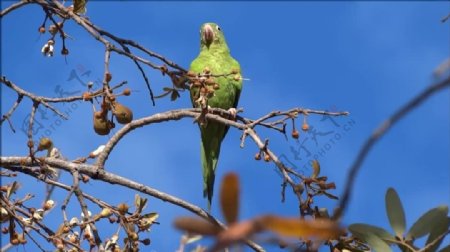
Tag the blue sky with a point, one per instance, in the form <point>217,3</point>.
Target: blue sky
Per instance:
<point>367,58</point>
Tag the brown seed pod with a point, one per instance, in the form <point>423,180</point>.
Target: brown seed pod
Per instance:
<point>98,114</point>
<point>305,126</point>
<point>101,126</point>
<point>42,29</point>
<point>30,144</point>
<point>203,90</point>
<point>295,134</point>
<point>209,81</point>
<point>87,96</point>
<point>126,92</point>
<point>66,229</point>
<point>44,144</point>
<point>235,71</point>
<point>14,241</point>
<point>267,157</point>
<point>258,156</point>
<point>108,76</point>
<point>191,74</point>
<point>65,51</point>
<point>134,236</point>
<point>122,208</point>
<point>52,29</point>
<point>123,114</point>
<point>146,241</point>
<point>206,70</point>
<point>237,77</point>
<point>216,86</point>
<point>197,83</point>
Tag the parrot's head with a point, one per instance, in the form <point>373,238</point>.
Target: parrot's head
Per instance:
<point>211,36</point>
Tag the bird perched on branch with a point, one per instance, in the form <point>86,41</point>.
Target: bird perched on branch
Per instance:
<point>218,85</point>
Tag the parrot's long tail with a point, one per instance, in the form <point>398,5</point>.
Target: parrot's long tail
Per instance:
<point>210,155</point>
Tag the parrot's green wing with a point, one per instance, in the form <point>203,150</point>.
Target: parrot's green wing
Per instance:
<point>215,56</point>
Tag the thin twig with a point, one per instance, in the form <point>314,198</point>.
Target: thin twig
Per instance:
<point>84,208</point>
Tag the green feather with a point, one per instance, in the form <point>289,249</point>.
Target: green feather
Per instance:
<point>215,55</point>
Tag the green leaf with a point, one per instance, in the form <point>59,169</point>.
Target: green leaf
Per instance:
<point>140,203</point>
<point>360,230</point>
<point>395,213</point>
<point>427,222</point>
<point>377,244</point>
<point>12,189</point>
<point>440,228</point>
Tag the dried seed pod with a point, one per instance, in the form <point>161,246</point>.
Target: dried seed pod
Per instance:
<point>305,126</point>
<point>191,74</point>
<point>123,114</point>
<point>126,92</point>
<point>258,156</point>
<point>87,96</point>
<point>30,144</point>
<point>210,81</point>
<point>134,236</point>
<point>122,208</point>
<point>108,76</point>
<point>42,29</point>
<point>146,241</point>
<point>44,144</point>
<point>84,178</point>
<point>197,83</point>
<point>49,204</point>
<point>98,114</point>
<point>101,125</point>
<point>295,134</point>
<point>216,86</point>
<point>65,51</point>
<point>266,157</point>
<point>52,29</point>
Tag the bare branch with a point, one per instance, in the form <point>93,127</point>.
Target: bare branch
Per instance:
<point>16,164</point>
<point>13,7</point>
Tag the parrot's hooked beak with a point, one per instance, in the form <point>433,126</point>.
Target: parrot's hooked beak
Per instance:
<point>208,34</point>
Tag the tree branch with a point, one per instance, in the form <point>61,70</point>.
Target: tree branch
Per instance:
<point>13,7</point>
<point>16,164</point>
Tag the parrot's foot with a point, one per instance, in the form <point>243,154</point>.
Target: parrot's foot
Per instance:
<point>201,119</point>
<point>233,113</point>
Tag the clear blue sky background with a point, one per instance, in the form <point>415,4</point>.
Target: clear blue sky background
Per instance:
<point>364,57</point>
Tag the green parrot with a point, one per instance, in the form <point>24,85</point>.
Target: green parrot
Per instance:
<point>216,58</point>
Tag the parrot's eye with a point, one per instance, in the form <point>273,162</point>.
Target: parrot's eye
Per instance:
<point>218,28</point>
